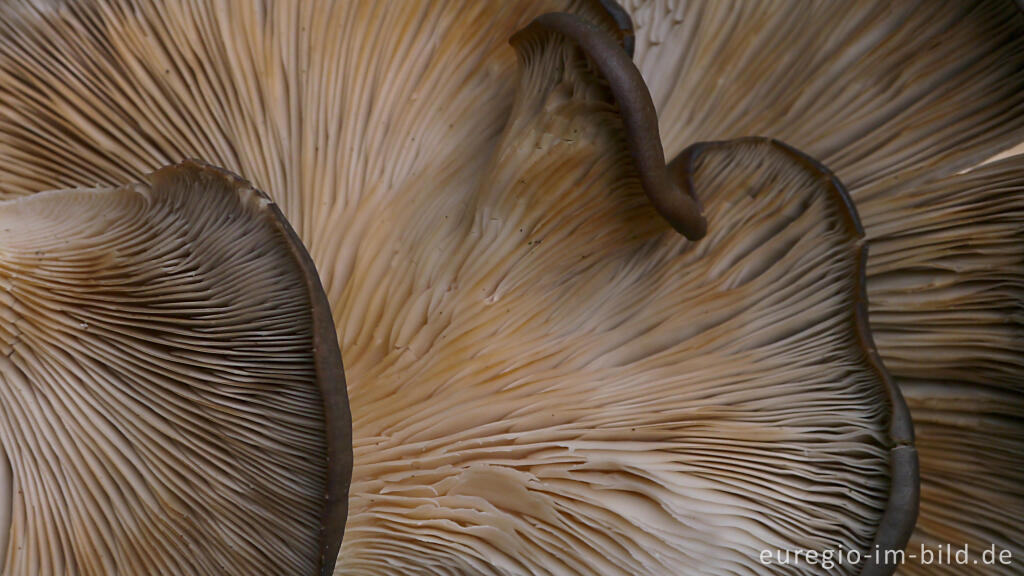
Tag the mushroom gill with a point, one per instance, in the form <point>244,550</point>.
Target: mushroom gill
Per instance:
<point>880,93</point>
<point>902,101</point>
<point>946,285</point>
<point>538,363</point>
<point>171,395</point>
<point>563,371</point>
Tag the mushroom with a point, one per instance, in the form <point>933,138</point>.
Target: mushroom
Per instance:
<point>946,293</point>
<point>538,361</point>
<point>601,384</point>
<point>171,393</point>
<point>903,102</point>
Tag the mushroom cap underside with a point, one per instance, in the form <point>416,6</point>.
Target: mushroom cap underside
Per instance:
<point>173,400</point>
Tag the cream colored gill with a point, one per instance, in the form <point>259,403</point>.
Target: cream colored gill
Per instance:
<point>160,413</point>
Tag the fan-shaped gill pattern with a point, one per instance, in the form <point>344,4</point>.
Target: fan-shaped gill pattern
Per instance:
<point>160,411</point>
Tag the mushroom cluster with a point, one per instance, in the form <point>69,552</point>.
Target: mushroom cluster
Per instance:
<point>564,355</point>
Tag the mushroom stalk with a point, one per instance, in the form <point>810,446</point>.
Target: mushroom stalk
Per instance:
<point>639,118</point>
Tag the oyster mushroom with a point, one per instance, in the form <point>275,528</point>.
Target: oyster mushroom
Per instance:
<point>171,393</point>
<point>365,131</point>
<point>946,292</point>
<point>898,100</point>
<point>624,405</point>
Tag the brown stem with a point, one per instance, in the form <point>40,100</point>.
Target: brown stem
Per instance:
<point>643,140</point>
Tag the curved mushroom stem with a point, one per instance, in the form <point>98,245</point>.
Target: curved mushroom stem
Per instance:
<point>612,15</point>
<point>639,117</point>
